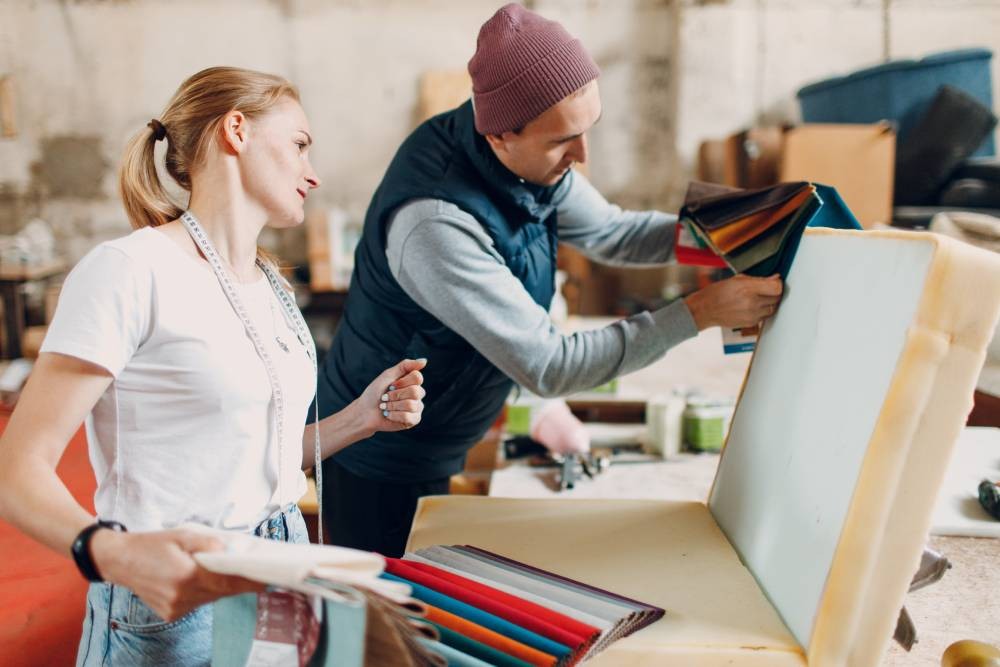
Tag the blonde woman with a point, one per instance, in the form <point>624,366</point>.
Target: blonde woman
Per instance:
<point>182,348</point>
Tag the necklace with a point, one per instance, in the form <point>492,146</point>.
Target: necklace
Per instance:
<point>277,322</point>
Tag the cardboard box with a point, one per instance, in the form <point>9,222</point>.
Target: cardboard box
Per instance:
<point>440,91</point>
<point>857,160</point>
<point>753,157</point>
<point>318,251</point>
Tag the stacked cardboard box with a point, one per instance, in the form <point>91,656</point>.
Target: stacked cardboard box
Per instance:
<point>857,160</point>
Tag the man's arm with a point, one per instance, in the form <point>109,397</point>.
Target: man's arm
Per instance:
<point>606,233</point>
<point>445,261</point>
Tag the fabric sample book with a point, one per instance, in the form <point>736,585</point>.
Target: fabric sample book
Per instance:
<point>755,232</point>
<point>545,618</point>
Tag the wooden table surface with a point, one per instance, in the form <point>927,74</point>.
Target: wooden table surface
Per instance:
<point>965,604</point>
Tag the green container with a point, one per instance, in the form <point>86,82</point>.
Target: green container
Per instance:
<point>519,419</point>
<point>706,423</point>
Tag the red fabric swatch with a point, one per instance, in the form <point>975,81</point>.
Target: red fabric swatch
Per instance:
<point>579,628</point>
<point>528,615</point>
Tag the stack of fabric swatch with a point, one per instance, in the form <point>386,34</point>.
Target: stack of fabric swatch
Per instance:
<point>755,232</point>
<point>489,609</point>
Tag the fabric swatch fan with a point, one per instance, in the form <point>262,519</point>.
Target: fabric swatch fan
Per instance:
<point>754,232</point>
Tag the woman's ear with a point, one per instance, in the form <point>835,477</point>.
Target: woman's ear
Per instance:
<point>234,131</point>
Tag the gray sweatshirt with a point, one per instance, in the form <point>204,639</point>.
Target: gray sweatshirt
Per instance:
<point>445,261</point>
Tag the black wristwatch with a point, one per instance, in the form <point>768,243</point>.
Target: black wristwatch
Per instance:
<point>81,548</point>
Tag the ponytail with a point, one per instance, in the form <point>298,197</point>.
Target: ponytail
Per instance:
<point>146,202</point>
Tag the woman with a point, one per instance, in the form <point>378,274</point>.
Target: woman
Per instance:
<point>181,347</point>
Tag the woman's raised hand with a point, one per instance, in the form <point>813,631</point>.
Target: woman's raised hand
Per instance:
<point>394,401</point>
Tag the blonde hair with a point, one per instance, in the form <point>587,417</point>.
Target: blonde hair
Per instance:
<point>190,121</point>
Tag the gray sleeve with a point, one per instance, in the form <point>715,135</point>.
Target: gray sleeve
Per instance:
<point>607,234</point>
<point>446,262</point>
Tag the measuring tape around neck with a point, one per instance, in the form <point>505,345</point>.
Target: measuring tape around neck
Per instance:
<point>204,244</point>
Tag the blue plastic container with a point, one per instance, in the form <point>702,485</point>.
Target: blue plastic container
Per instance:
<point>899,91</point>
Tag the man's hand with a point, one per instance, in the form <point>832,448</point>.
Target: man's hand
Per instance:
<point>737,302</point>
<point>159,568</point>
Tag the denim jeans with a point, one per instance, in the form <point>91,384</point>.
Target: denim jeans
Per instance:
<point>119,629</point>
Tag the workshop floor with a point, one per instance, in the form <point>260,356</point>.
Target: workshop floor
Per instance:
<point>42,596</point>
<point>963,605</point>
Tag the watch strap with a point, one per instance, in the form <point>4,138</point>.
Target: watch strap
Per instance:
<point>81,548</point>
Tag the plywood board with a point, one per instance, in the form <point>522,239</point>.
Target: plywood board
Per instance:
<point>670,554</point>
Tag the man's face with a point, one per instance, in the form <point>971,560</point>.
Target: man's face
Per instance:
<point>551,144</point>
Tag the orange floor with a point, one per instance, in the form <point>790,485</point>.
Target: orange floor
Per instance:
<point>41,593</point>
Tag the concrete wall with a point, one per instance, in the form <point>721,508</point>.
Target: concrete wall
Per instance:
<point>743,60</point>
<point>88,73</point>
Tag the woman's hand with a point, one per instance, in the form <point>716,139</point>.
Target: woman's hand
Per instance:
<point>160,569</point>
<point>394,401</point>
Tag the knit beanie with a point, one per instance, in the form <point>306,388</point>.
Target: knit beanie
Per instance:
<point>523,65</point>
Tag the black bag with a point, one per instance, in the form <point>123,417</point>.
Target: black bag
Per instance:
<point>951,130</point>
<point>971,193</point>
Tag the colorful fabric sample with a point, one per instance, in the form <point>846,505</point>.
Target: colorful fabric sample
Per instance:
<point>755,232</point>
<point>479,594</point>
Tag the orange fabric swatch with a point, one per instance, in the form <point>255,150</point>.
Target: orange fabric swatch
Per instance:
<point>733,235</point>
<point>489,637</point>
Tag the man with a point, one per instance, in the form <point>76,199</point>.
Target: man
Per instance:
<point>456,264</point>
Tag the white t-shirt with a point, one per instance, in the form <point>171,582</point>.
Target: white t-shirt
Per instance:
<point>184,431</point>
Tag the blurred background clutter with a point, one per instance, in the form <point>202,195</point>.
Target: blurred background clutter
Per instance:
<point>726,90</point>
<point>891,102</point>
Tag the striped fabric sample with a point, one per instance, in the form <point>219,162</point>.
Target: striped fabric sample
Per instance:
<point>756,232</point>
<point>483,604</point>
<point>486,636</point>
<point>486,619</point>
<point>476,649</point>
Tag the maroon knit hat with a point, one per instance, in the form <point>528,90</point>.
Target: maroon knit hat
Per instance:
<point>523,65</point>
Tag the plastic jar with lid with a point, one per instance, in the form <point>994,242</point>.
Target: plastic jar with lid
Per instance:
<point>706,422</point>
